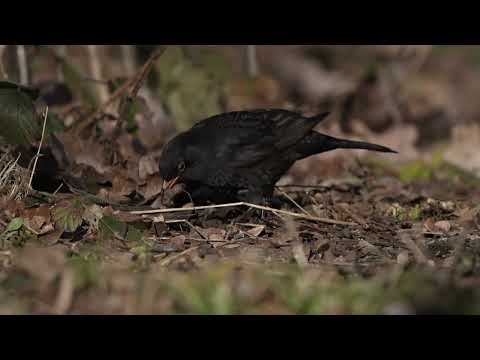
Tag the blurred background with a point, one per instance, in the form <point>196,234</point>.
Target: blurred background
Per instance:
<point>418,99</point>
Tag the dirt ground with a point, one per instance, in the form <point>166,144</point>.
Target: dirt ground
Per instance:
<point>372,234</point>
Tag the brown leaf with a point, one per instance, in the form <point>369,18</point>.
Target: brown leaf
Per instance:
<point>469,217</point>
<point>257,230</point>
<point>152,188</point>
<point>429,225</point>
<point>122,186</point>
<point>147,166</point>
<point>38,219</point>
<point>52,237</point>
<point>444,226</point>
<point>214,234</point>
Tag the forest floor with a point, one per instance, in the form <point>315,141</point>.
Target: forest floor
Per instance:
<point>401,235</point>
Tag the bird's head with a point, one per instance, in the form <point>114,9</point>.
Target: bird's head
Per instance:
<point>179,162</point>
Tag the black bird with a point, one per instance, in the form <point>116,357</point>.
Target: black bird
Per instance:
<point>239,156</point>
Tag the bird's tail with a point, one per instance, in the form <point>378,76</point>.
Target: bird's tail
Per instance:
<point>317,143</point>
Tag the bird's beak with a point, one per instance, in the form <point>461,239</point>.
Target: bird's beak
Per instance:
<point>170,184</point>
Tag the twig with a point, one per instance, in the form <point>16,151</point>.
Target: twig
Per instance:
<point>277,211</point>
<point>354,216</point>
<point>252,63</point>
<point>65,293</point>
<point>3,73</point>
<point>96,71</point>
<point>413,247</point>
<point>134,80</point>
<point>189,224</point>
<point>167,261</point>
<point>294,202</point>
<point>58,189</point>
<point>22,64</point>
<point>140,78</point>
<point>39,148</point>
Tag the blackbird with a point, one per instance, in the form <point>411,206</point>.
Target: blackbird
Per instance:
<point>239,156</point>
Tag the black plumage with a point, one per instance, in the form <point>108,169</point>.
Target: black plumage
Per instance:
<point>239,156</point>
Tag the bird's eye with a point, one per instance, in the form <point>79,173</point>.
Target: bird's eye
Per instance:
<point>181,166</point>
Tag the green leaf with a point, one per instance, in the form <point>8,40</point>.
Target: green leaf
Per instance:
<point>14,225</point>
<point>32,93</point>
<point>109,227</point>
<point>69,215</point>
<point>18,118</point>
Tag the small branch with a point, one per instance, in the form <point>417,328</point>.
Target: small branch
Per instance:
<point>134,81</point>
<point>140,78</point>
<point>3,73</point>
<point>413,247</point>
<point>277,211</point>
<point>168,260</point>
<point>294,202</point>
<point>65,292</point>
<point>22,64</point>
<point>96,71</point>
<point>252,64</point>
<point>39,148</point>
<point>183,221</point>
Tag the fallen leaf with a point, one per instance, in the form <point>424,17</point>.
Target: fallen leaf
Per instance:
<point>147,166</point>
<point>257,230</point>
<point>214,234</point>
<point>38,219</point>
<point>444,226</point>
<point>68,214</point>
<point>52,237</point>
<point>152,188</point>
<point>14,225</point>
<point>429,225</point>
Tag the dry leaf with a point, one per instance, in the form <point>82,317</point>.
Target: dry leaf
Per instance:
<point>444,226</point>
<point>147,166</point>
<point>214,234</point>
<point>429,225</point>
<point>257,230</point>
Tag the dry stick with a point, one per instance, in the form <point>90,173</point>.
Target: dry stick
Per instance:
<point>195,208</point>
<point>168,260</point>
<point>137,79</point>
<point>96,70</point>
<point>183,221</point>
<point>145,70</point>
<point>3,74</point>
<point>413,247</point>
<point>65,293</point>
<point>22,64</point>
<point>294,202</point>
<point>252,63</point>
<point>39,148</point>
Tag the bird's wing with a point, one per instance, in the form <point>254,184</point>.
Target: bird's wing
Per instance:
<point>247,137</point>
